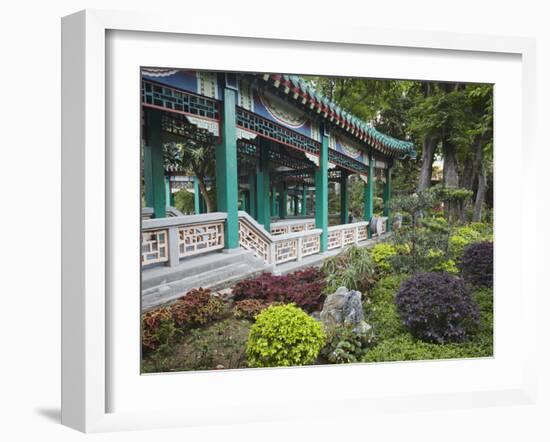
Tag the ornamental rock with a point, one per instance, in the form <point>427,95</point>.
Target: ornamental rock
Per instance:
<point>344,307</point>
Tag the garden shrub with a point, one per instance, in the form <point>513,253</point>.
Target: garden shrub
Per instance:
<point>406,348</point>
<point>303,288</point>
<point>483,297</point>
<point>344,345</point>
<point>353,268</point>
<point>197,307</point>
<point>436,307</point>
<point>380,254</point>
<point>249,308</point>
<point>380,309</point>
<point>460,238</point>
<point>441,264</point>
<point>157,329</point>
<point>283,336</point>
<point>476,264</point>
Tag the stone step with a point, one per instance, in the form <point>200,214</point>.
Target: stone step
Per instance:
<point>157,276</point>
<point>215,279</point>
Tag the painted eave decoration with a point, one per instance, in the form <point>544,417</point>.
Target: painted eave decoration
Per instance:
<point>300,91</point>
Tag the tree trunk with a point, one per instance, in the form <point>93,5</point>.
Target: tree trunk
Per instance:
<point>205,195</point>
<point>428,151</point>
<point>481,180</point>
<point>450,177</point>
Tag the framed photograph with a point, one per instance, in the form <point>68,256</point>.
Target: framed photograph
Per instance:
<point>250,216</point>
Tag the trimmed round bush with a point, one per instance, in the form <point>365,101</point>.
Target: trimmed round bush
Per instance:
<point>437,307</point>
<point>476,264</point>
<point>283,336</point>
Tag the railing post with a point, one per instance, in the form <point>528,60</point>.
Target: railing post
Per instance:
<point>173,246</point>
<point>299,249</point>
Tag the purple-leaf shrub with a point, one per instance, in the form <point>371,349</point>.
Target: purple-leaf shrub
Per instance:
<point>436,307</point>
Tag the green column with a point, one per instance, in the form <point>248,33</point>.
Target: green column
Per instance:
<point>196,195</point>
<point>153,164</point>
<point>321,190</point>
<point>262,186</point>
<point>387,196</point>
<point>274,204</point>
<point>344,198</point>
<point>167,190</point>
<point>282,200</point>
<point>296,205</point>
<point>246,200</point>
<point>368,195</point>
<point>304,200</point>
<point>227,187</point>
<point>253,198</point>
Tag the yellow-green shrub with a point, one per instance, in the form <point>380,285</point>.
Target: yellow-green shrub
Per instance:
<point>380,254</point>
<point>284,336</point>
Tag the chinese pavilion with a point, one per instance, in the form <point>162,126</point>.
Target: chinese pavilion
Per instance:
<point>277,143</point>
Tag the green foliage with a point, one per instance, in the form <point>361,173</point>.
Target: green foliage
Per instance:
<point>460,238</point>
<point>353,268</point>
<point>451,194</point>
<point>344,345</point>
<point>184,201</point>
<point>221,345</point>
<point>380,311</point>
<point>284,336</point>
<point>380,254</point>
<point>406,348</point>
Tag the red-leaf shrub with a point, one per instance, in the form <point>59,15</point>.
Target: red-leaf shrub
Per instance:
<point>197,307</point>
<point>157,328</point>
<point>303,288</point>
<point>436,307</point>
<point>249,308</point>
<point>476,264</point>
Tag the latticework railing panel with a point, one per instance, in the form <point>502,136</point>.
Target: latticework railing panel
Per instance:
<point>311,245</point>
<point>348,236</point>
<point>286,251</point>
<point>154,247</point>
<point>250,240</point>
<point>279,230</point>
<point>334,239</point>
<point>362,234</point>
<point>200,239</point>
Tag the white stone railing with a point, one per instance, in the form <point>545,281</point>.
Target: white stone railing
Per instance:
<point>292,225</point>
<point>167,240</point>
<point>277,249</point>
<point>345,234</point>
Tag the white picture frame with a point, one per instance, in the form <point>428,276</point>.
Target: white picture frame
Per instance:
<point>88,232</point>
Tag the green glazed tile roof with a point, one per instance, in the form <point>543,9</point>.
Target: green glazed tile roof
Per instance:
<point>302,90</point>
